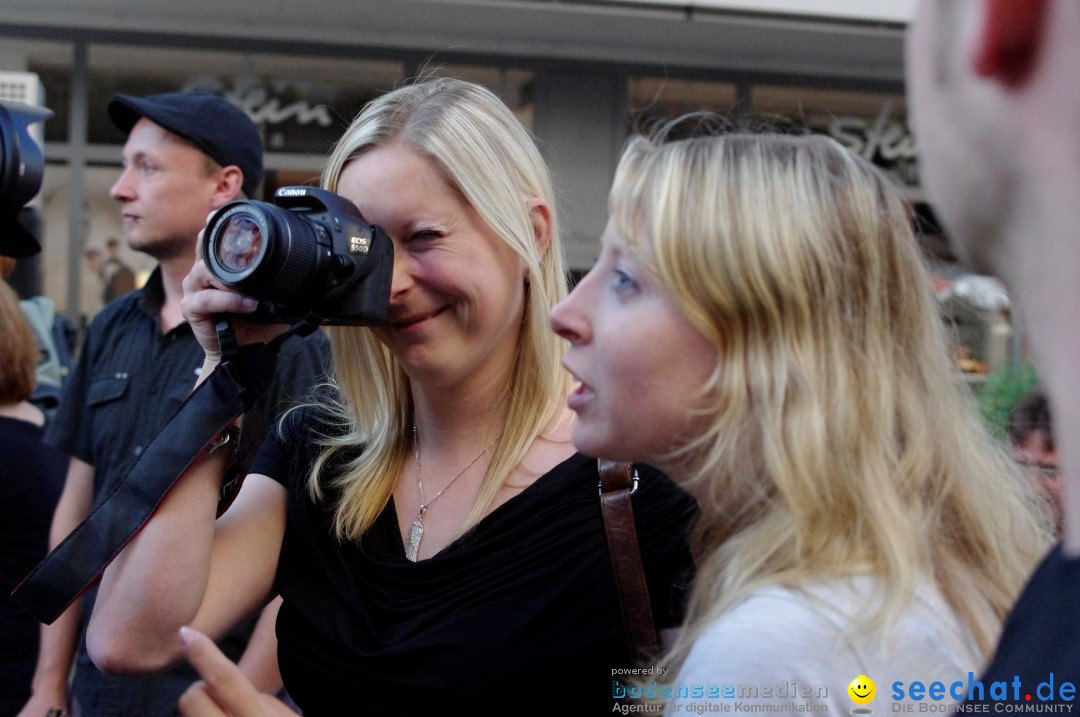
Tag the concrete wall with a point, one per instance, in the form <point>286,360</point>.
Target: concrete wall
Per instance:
<point>580,122</point>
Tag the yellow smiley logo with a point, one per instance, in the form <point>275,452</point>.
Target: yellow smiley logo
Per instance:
<point>862,690</point>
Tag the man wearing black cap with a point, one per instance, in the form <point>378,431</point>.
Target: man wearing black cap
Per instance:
<point>186,154</point>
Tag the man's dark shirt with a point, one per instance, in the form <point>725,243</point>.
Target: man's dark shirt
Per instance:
<point>1039,650</point>
<point>129,380</point>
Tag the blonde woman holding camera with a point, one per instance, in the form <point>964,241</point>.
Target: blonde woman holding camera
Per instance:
<point>434,536</point>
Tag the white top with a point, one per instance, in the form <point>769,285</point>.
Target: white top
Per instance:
<point>798,650</point>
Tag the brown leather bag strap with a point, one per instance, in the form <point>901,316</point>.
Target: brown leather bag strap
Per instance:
<point>618,481</point>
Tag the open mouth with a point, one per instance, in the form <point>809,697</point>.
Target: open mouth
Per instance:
<point>580,396</point>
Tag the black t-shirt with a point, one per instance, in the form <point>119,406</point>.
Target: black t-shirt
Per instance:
<point>31,479</point>
<point>520,615</point>
<point>1039,651</point>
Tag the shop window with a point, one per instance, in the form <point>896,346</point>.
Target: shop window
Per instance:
<point>300,103</point>
<point>871,124</point>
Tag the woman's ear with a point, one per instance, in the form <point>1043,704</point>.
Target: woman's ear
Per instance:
<point>540,213</point>
<point>1010,38</point>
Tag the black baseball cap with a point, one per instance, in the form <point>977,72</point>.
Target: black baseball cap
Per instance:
<point>216,126</point>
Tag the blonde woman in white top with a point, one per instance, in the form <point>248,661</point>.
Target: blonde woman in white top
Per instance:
<point>760,325</point>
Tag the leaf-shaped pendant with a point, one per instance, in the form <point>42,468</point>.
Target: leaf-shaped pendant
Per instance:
<point>412,542</point>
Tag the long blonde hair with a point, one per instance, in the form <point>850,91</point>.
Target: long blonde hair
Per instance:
<point>841,439</point>
<point>488,156</point>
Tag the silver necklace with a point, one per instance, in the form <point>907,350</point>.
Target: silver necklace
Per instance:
<point>416,530</point>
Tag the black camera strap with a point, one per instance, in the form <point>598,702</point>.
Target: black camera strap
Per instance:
<point>200,425</point>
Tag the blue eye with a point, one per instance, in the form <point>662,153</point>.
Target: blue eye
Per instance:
<point>622,281</point>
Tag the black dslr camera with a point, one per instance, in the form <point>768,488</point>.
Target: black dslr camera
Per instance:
<point>310,255</point>
<point>21,166</point>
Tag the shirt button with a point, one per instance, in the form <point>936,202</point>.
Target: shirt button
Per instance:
<point>138,450</point>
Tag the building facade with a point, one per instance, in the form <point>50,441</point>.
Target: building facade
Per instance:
<point>580,74</point>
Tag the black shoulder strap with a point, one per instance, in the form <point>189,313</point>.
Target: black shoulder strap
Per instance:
<point>77,563</point>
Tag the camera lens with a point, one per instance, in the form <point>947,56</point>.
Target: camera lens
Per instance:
<point>240,244</point>
<point>21,159</point>
<point>265,251</point>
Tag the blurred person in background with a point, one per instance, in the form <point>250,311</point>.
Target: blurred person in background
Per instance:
<point>1031,432</point>
<point>118,277</point>
<point>31,477</point>
<point>56,339</point>
<point>92,294</point>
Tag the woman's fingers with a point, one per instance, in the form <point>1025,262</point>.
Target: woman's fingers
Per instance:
<point>196,702</point>
<point>204,300</point>
<point>204,295</point>
<point>224,689</point>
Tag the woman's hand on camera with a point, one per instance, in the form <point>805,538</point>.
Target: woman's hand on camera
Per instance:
<point>205,299</point>
<point>223,690</point>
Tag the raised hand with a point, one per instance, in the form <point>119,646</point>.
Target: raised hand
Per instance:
<point>223,690</point>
